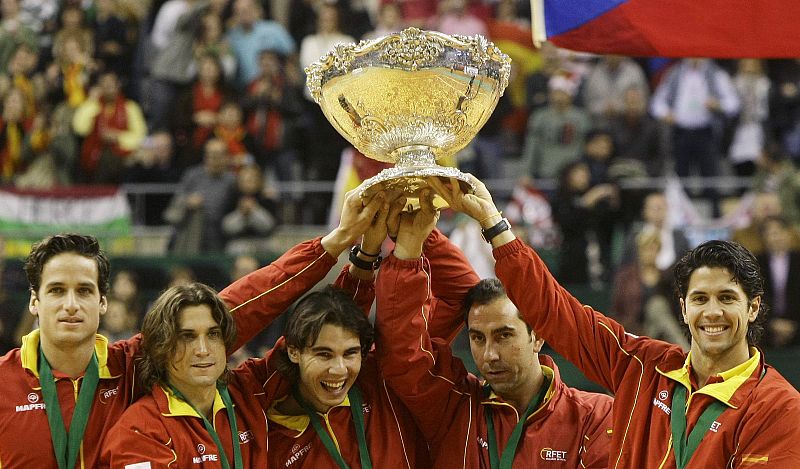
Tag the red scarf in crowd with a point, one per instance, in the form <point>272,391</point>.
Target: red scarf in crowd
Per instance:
<point>201,101</point>
<point>265,125</point>
<point>111,116</point>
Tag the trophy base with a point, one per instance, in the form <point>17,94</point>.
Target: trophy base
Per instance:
<point>412,179</point>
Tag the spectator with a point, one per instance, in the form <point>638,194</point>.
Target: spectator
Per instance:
<point>119,323</point>
<point>21,74</point>
<point>390,20</point>
<point>68,76</point>
<point>197,110</point>
<point>112,51</point>
<point>763,206</point>
<point>655,218</point>
<point>695,100</point>
<point>53,151</point>
<point>417,13</point>
<point>580,209</point>
<point>327,35</point>
<point>154,161</point>
<point>180,275</point>
<point>173,65</point>
<point>125,288</point>
<point>784,106</point>
<point>780,266</point>
<point>273,106</point>
<point>776,173</point>
<point>454,18</point>
<point>753,87</point>
<point>14,32</point>
<point>556,132</point>
<point>18,136</point>
<point>599,154</point>
<point>231,130</point>
<point>112,127</point>
<point>608,83</point>
<point>211,41</point>
<point>537,84</point>
<point>73,26</point>
<point>637,135</point>
<point>250,35</point>
<point>642,293</point>
<point>199,204</point>
<point>252,219</point>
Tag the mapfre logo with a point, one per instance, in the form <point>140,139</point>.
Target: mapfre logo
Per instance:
<point>201,448</point>
<point>298,453</point>
<point>34,404</point>
<point>659,402</point>
<point>550,454</point>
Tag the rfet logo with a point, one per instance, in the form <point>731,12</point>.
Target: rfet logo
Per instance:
<point>550,454</point>
<point>245,436</point>
<point>663,395</point>
<point>201,448</point>
<point>106,394</point>
<point>33,398</point>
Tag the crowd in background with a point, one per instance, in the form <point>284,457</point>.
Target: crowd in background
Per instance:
<point>210,95</point>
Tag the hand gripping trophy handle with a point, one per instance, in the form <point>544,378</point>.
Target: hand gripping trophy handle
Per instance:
<point>412,99</point>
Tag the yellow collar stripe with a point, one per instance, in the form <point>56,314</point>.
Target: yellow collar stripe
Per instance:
<point>179,408</point>
<point>732,379</point>
<point>298,423</point>
<point>29,353</point>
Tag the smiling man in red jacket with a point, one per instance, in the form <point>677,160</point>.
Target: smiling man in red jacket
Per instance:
<point>719,406</point>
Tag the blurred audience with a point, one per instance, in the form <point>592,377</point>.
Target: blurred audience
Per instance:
<point>251,219</point>
<point>780,266</point>
<point>198,206</point>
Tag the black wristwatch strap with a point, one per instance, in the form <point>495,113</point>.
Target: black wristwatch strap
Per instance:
<point>490,233</point>
<point>361,263</point>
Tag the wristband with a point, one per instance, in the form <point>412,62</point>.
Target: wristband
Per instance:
<point>361,263</point>
<point>490,233</point>
<point>368,254</point>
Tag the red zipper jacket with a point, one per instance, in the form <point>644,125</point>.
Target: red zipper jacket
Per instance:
<point>758,429</point>
<point>570,429</point>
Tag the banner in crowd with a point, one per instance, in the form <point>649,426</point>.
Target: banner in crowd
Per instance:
<point>27,216</point>
<point>678,28</point>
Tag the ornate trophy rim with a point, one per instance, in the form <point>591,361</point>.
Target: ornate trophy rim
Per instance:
<point>411,49</point>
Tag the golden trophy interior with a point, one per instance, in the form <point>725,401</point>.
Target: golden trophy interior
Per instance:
<point>413,99</point>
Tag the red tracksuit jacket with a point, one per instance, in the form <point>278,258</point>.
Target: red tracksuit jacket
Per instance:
<point>570,429</point>
<point>759,428</point>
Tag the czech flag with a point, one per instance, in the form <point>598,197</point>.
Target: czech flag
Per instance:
<point>674,28</point>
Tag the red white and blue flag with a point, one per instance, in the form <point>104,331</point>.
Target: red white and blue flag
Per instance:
<point>674,28</point>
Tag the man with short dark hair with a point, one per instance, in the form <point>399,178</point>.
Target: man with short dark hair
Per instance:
<point>521,415</point>
<point>719,406</point>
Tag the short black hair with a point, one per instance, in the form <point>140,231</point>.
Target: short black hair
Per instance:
<point>83,245</point>
<point>744,270</point>
<point>484,292</point>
